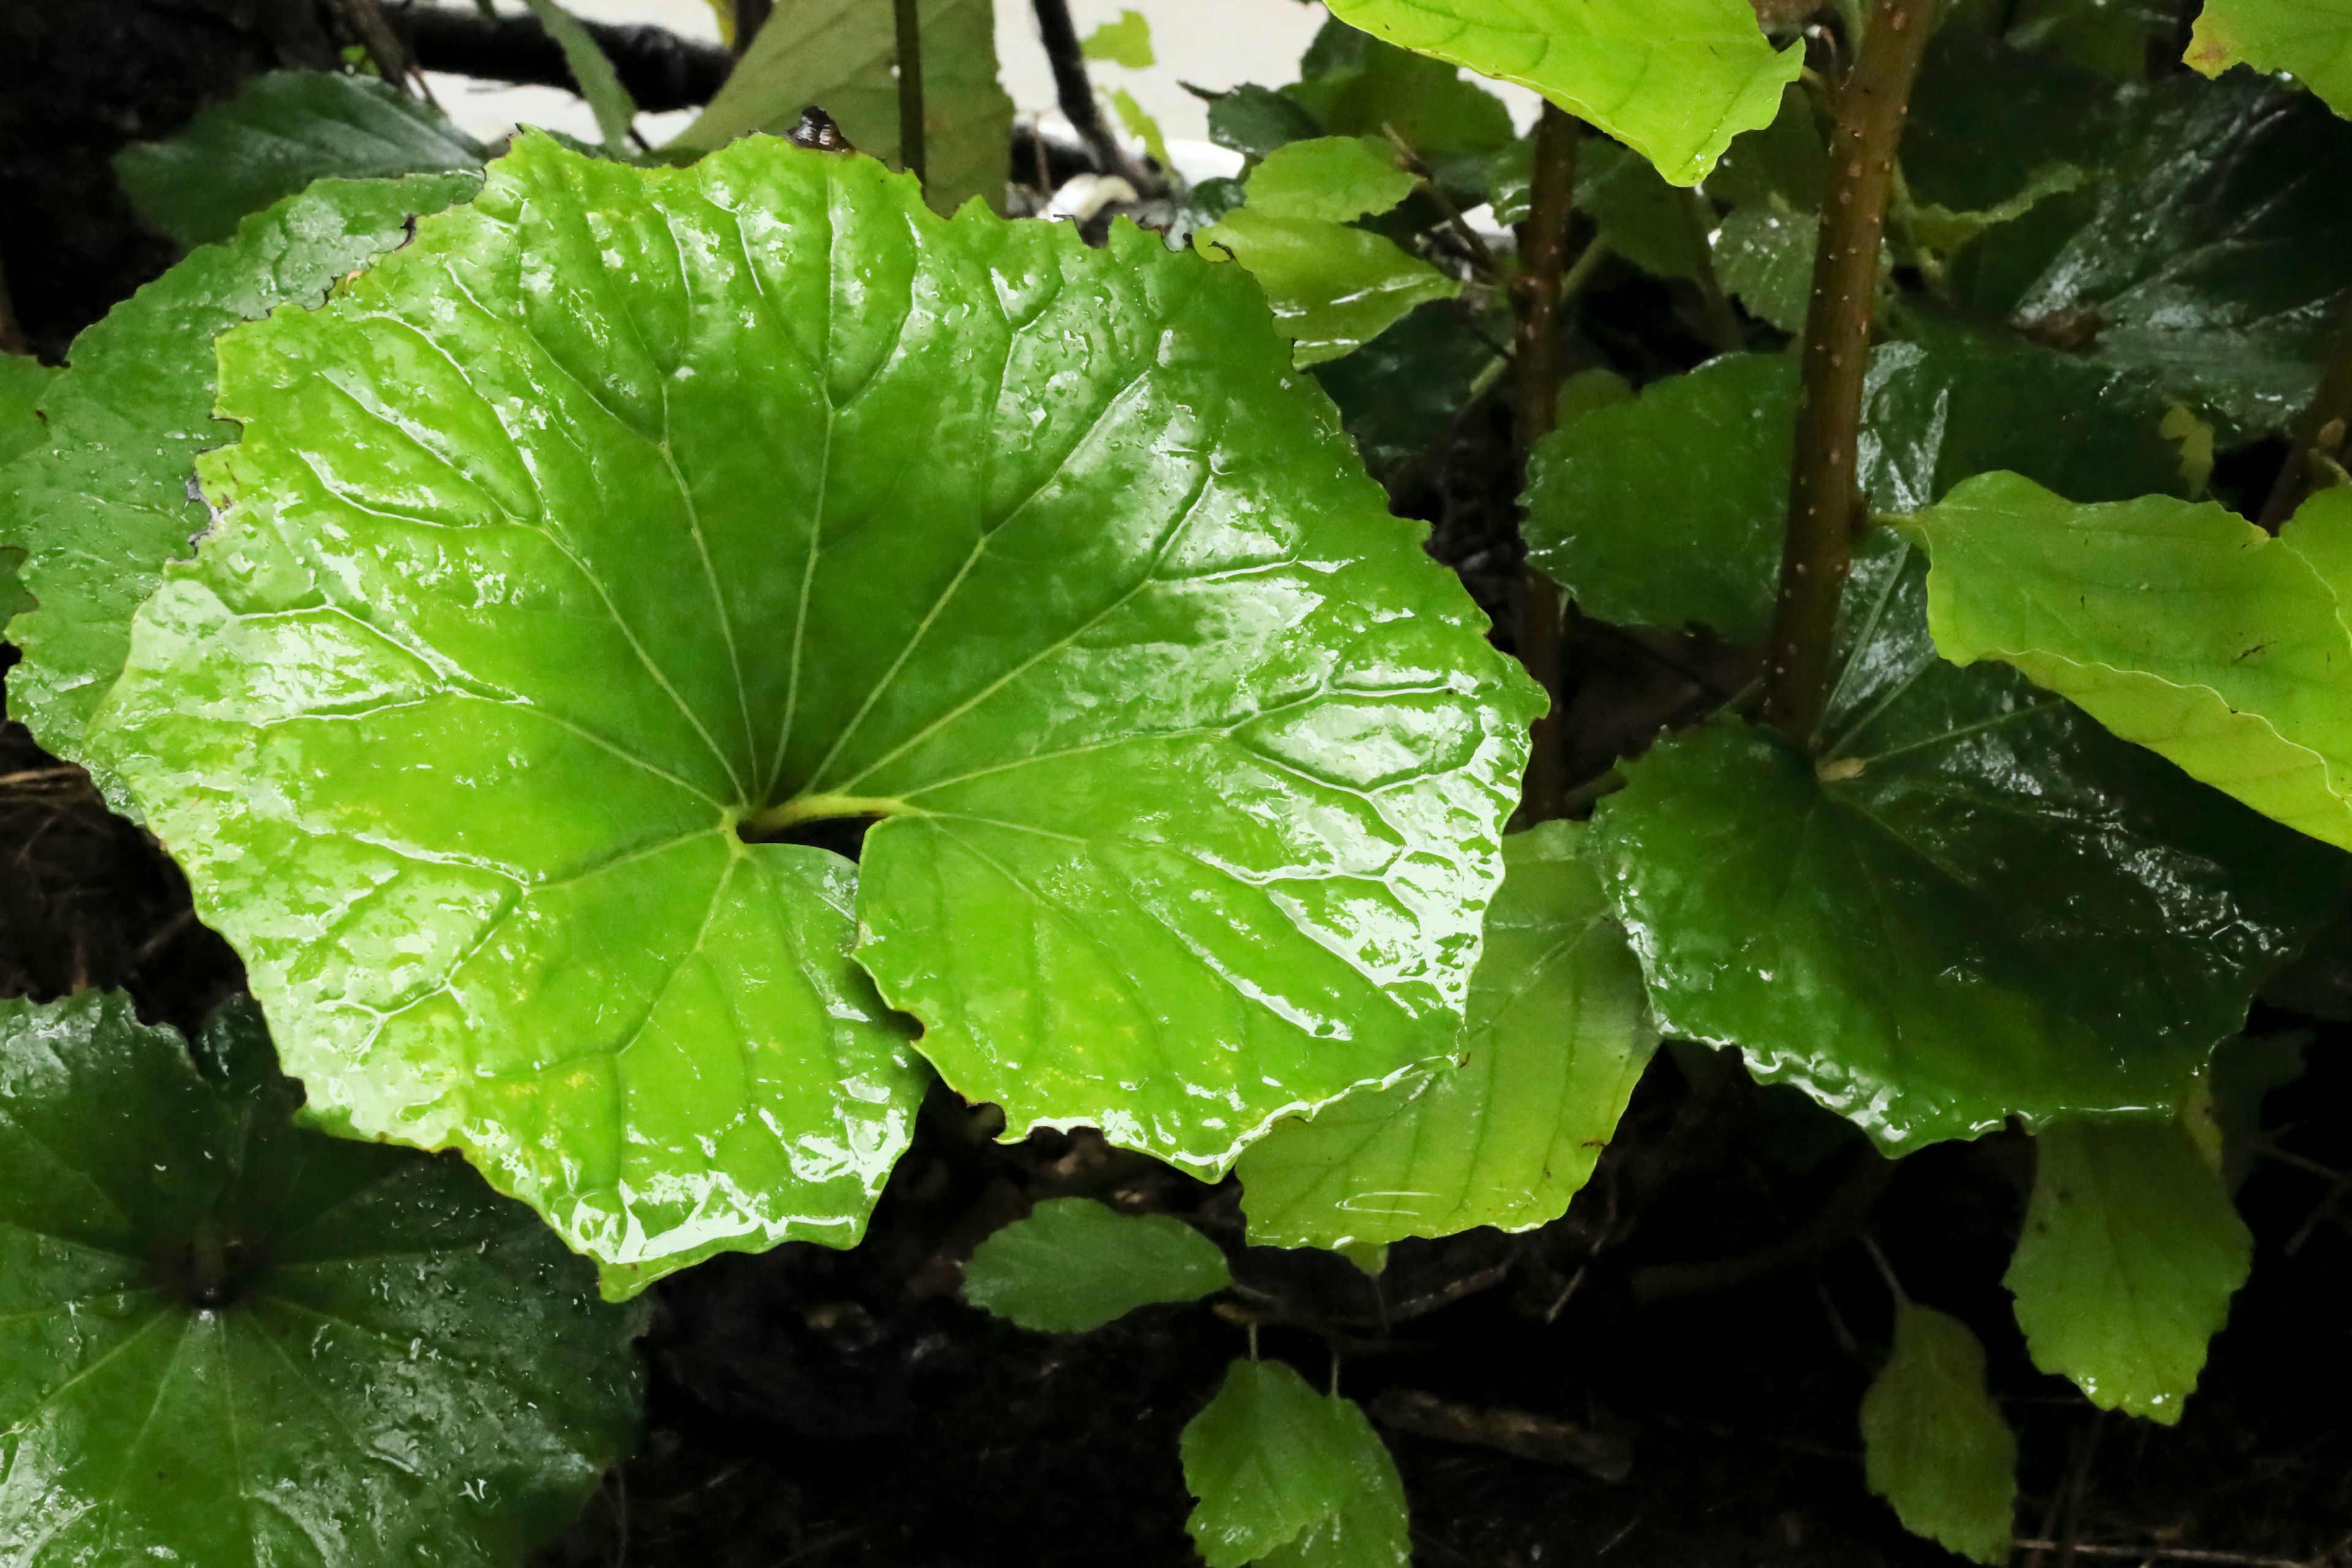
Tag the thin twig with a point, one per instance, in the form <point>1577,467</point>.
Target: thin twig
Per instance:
<point>1724,333</point>
<point>2319,446</point>
<point>2174,1554</point>
<point>1824,504</point>
<point>1536,605</point>
<point>911,87</point>
<point>1481,255</point>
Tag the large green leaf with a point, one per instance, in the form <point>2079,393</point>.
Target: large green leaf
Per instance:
<point>840,56</point>
<point>1558,1034</point>
<point>2130,1254</point>
<point>1331,287</point>
<point>1074,1264</point>
<point>108,502</point>
<point>282,130</point>
<point>1673,79</point>
<point>1934,1445</point>
<point>627,513</point>
<point>1291,1478</point>
<point>1975,904</point>
<point>2311,40</point>
<point>228,1341</point>
<point>2178,626</point>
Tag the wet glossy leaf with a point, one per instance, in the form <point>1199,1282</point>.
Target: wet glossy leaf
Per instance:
<point>1286,1476</point>
<point>1254,121</point>
<point>2130,1253</point>
<point>2311,40</point>
<point>1668,509</point>
<point>225,1341</point>
<point>1977,904</point>
<point>2176,624</point>
<point>1560,1031</point>
<point>1331,287</point>
<point>1764,258</point>
<point>1126,42</point>
<point>1673,79</point>
<point>1934,1443</point>
<point>1074,1264</point>
<point>1334,178</point>
<point>840,56</point>
<point>598,83</point>
<point>1400,394</point>
<point>1942,228</point>
<point>282,130</point>
<point>108,502</point>
<point>627,509</point>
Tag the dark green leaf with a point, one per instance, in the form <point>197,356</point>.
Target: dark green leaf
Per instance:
<point>1400,394</point>
<point>626,512</point>
<point>2130,1254</point>
<point>1764,258</point>
<point>1075,1264</point>
<point>1356,85</point>
<point>108,502</point>
<point>1650,223</point>
<point>224,1340</point>
<point>1787,160</point>
<point>282,130</point>
<point>1290,1476</point>
<point>1976,903</point>
<point>1934,1445</point>
<point>1254,121</point>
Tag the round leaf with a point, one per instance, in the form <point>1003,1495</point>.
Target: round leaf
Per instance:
<point>225,1341</point>
<point>1075,1264</point>
<point>629,512</point>
<point>1934,1445</point>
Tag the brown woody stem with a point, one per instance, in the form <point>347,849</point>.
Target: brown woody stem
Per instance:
<point>2319,438</point>
<point>1535,362</point>
<point>1824,500</point>
<point>911,87</point>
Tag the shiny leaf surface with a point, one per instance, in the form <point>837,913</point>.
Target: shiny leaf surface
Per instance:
<point>1335,178</point>
<point>1074,1264</point>
<point>2179,625</point>
<point>1977,904</point>
<point>1289,1477</point>
<point>1673,79</point>
<point>1934,1443</point>
<point>1560,1031</point>
<point>2130,1253</point>
<point>282,130</point>
<point>1764,258</point>
<point>630,512</point>
<point>840,56</point>
<point>1331,287</point>
<point>229,1342</point>
<point>2311,40</point>
<point>102,507</point>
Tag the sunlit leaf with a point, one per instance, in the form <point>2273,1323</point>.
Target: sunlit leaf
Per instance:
<point>840,56</point>
<point>1974,904</point>
<point>282,130</point>
<point>1126,42</point>
<point>2130,1254</point>
<point>227,1341</point>
<point>1331,287</point>
<point>2311,40</point>
<point>627,513</point>
<point>1934,1443</point>
<point>1292,1478</point>
<point>108,502</point>
<point>1140,125</point>
<point>1334,178</point>
<point>2177,625</point>
<point>1673,79</point>
<point>1560,1031</point>
<point>1075,1264</point>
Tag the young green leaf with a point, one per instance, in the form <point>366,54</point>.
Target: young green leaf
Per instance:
<point>2130,1254</point>
<point>1934,1445</point>
<point>1140,125</point>
<point>1668,509</point>
<point>2310,40</point>
<point>227,1341</point>
<point>614,110</point>
<point>1974,904</point>
<point>627,513</point>
<point>1764,258</point>
<point>1334,178</point>
<point>1074,1264</point>
<point>106,501</point>
<point>2179,625</point>
<point>840,56</point>
<point>1331,287</point>
<point>1286,1476</point>
<point>1126,42</point>
<point>282,130</point>
<point>1673,79</point>
<point>1558,1034</point>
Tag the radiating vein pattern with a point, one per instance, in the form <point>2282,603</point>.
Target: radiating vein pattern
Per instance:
<point>628,513</point>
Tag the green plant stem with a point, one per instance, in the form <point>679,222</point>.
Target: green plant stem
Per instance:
<point>2319,437</point>
<point>1535,362</point>
<point>1826,508</point>
<point>781,819</point>
<point>911,87</point>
